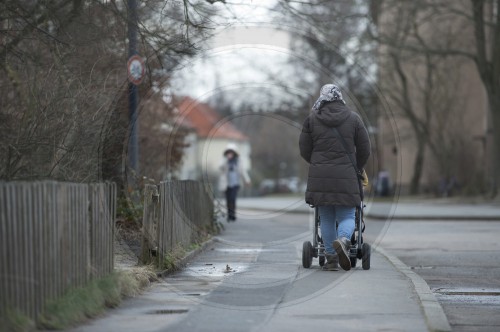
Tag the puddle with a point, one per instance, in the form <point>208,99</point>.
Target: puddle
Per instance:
<point>250,250</point>
<point>168,311</point>
<point>242,250</point>
<point>469,295</point>
<point>214,269</point>
<point>421,267</point>
<point>468,291</point>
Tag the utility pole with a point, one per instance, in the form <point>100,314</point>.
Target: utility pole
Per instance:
<point>133,147</point>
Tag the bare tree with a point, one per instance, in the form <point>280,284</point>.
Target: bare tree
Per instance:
<point>63,98</point>
<point>162,142</point>
<point>465,29</point>
<point>52,98</point>
<point>421,87</point>
<point>332,45</point>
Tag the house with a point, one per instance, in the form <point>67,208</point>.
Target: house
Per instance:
<point>208,136</point>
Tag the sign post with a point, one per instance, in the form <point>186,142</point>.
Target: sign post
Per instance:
<point>135,69</point>
<point>135,75</point>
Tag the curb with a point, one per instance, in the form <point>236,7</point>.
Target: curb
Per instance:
<point>433,217</point>
<point>187,257</point>
<point>433,311</point>
<point>393,217</point>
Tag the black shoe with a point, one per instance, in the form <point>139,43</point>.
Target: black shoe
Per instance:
<point>342,247</point>
<point>332,263</point>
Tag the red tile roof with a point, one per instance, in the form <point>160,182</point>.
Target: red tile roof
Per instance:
<point>206,121</point>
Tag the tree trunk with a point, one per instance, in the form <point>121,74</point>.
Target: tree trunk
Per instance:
<point>495,117</point>
<point>418,169</point>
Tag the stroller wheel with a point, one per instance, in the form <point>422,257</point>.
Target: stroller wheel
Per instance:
<point>367,250</point>
<point>322,260</point>
<point>307,254</point>
<point>353,261</point>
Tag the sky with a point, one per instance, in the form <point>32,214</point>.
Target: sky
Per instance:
<point>248,53</point>
<point>248,58</point>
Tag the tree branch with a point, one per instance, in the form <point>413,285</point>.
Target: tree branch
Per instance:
<point>28,28</point>
<point>418,126</point>
<point>419,50</point>
<point>495,56</point>
<point>479,33</point>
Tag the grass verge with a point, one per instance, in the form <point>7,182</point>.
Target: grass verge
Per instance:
<point>172,260</point>
<point>15,321</point>
<point>79,304</point>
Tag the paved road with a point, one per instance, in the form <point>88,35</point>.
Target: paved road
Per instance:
<point>461,263</point>
<point>270,291</point>
<point>397,209</point>
<point>459,259</point>
<point>251,279</point>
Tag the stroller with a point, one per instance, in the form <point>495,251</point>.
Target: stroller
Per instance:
<point>358,250</point>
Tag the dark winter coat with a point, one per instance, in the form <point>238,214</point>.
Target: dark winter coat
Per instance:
<point>332,179</point>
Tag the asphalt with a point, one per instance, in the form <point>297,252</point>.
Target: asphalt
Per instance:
<point>401,209</point>
<point>267,289</point>
<point>264,292</point>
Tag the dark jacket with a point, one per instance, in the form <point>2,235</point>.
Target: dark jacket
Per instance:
<point>332,179</point>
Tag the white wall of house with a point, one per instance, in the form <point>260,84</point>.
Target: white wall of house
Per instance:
<point>189,169</point>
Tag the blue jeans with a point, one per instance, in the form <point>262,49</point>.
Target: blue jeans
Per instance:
<point>231,193</point>
<point>329,216</point>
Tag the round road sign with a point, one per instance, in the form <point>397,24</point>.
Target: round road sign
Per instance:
<point>135,69</point>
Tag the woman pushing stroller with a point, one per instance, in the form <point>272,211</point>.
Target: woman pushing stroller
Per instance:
<point>332,183</point>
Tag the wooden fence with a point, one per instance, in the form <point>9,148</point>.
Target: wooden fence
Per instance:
<point>176,214</point>
<point>53,236</point>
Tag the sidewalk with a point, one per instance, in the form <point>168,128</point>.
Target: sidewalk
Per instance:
<point>268,290</point>
<point>395,298</point>
<point>431,311</point>
<point>388,297</point>
<point>271,297</point>
<point>403,209</point>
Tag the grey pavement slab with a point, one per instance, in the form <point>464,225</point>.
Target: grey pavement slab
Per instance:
<point>459,261</point>
<point>381,299</point>
<point>252,279</point>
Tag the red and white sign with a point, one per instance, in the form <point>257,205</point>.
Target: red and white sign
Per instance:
<point>135,69</point>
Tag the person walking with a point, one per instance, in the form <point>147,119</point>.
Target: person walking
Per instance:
<point>232,176</point>
<point>332,183</point>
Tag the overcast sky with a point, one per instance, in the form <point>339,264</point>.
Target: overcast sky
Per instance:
<point>248,58</point>
<point>248,53</point>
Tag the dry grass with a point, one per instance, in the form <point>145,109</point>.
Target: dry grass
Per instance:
<point>14,321</point>
<point>80,304</point>
<point>134,280</point>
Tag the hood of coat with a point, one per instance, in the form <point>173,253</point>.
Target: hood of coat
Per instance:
<point>332,114</point>
<point>231,147</point>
